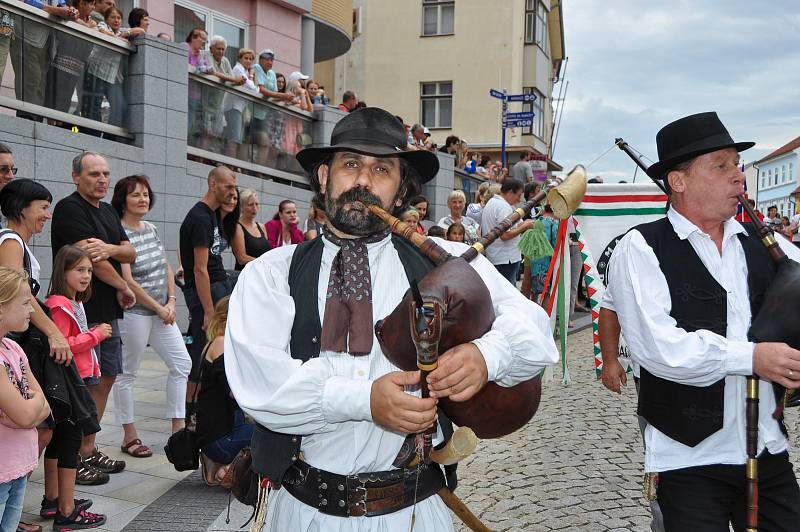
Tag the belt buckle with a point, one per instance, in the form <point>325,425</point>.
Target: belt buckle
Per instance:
<point>356,496</point>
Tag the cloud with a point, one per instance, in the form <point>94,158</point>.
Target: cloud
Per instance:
<point>636,65</point>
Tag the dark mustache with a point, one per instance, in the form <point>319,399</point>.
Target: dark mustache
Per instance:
<point>357,194</point>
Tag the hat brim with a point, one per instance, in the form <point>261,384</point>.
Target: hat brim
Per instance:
<point>424,162</point>
<point>660,169</point>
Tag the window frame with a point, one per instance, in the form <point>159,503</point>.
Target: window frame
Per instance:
<point>437,97</point>
<point>537,106</point>
<point>536,30</point>
<point>439,5</point>
<point>211,16</point>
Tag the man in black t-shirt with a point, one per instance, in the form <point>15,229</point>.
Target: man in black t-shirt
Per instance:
<point>201,247</point>
<point>83,219</point>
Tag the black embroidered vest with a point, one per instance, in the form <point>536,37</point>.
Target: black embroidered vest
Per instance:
<point>690,414</point>
<point>273,453</point>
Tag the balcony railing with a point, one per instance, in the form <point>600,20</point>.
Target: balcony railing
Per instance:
<point>231,126</point>
<point>62,71</point>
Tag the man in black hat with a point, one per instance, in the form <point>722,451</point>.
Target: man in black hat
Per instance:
<point>685,289</point>
<point>302,358</point>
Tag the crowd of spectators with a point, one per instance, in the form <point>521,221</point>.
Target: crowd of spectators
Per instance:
<point>52,68</point>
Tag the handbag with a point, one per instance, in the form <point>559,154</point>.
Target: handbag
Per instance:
<point>243,481</point>
<point>182,450</point>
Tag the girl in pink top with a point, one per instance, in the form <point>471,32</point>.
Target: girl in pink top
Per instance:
<point>22,403</point>
<point>70,286</point>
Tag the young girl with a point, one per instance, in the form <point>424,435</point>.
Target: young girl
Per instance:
<point>22,403</point>
<point>411,217</point>
<point>70,286</point>
<point>221,428</point>
<point>455,232</point>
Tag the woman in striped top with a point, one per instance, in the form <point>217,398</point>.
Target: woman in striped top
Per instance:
<point>152,319</point>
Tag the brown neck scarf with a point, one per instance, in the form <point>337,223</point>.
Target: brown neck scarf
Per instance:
<point>347,325</point>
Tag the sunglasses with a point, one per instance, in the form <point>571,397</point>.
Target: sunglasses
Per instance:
<point>7,169</point>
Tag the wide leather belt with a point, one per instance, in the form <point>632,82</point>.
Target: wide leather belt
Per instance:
<point>368,494</point>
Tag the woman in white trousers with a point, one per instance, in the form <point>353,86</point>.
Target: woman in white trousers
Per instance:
<point>152,319</point>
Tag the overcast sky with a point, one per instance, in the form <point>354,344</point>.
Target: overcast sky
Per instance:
<point>636,65</point>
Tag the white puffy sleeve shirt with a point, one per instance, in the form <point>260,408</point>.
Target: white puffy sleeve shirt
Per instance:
<point>641,298</point>
<point>327,399</point>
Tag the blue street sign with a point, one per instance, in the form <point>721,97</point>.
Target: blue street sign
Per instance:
<point>497,94</point>
<point>527,97</point>
<point>528,122</point>
<point>519,116</point>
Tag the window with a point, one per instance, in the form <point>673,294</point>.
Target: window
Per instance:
<point>536,24</point>
<point>436,104</point>
<point>189,15</point>
<point>769,178</point>
<point>783,173</point>
<point>790,171</point>
<point>537,106</point>
<point>438,17</point>
<point>530,21</point>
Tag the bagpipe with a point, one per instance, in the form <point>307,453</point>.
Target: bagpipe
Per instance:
<point>451,306</point>
<point>775,322</point>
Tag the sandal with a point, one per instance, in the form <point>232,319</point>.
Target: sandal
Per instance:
<point>89,476</point>
<point>139,450</point>
<point>209,469</point>
<point>78,519</point>
<point>27,527</point>
<point>99,460</point>
<point>49,508</point>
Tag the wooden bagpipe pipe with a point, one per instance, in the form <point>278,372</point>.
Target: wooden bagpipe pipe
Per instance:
<point>775,322</point>
<point>451,306</point>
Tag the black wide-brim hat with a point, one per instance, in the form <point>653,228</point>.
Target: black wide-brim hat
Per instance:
<point>374,132</point>
<point>689,137</point>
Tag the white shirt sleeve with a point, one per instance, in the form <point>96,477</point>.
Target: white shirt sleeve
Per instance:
<point>277,390</point>
<point>519,344</point>
<point>642,300</point>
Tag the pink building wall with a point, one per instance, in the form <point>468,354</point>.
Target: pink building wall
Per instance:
<point>270,25</point>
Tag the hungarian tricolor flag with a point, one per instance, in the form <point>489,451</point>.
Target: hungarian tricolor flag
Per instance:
<point>607,212</point>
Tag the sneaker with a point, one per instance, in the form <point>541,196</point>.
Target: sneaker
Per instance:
<point>49,508</point>
<point>88,475</point>
<point>102,462</point>
<point>78,520</point>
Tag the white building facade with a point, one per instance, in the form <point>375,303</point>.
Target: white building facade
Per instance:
<point>777,179</point>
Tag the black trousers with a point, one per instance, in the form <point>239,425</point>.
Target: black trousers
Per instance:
<point>707,498</point>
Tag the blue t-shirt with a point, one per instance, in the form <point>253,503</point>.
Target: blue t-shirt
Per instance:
<point>268,79</point>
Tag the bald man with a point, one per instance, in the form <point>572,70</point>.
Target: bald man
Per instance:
<point>201,245</point>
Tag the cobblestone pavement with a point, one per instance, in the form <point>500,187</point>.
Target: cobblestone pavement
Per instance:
<point>577,466</point>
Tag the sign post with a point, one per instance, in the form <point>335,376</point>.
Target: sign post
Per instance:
<point>503,129</point>
<point>524,119</point>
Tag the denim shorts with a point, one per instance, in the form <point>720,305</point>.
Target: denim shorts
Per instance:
<point>109,351</point>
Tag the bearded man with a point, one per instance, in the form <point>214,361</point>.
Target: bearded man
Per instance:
<point>302,359</point>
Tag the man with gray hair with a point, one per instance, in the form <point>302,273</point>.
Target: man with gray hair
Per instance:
<point>83,219</point>
<point>416,137</point>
